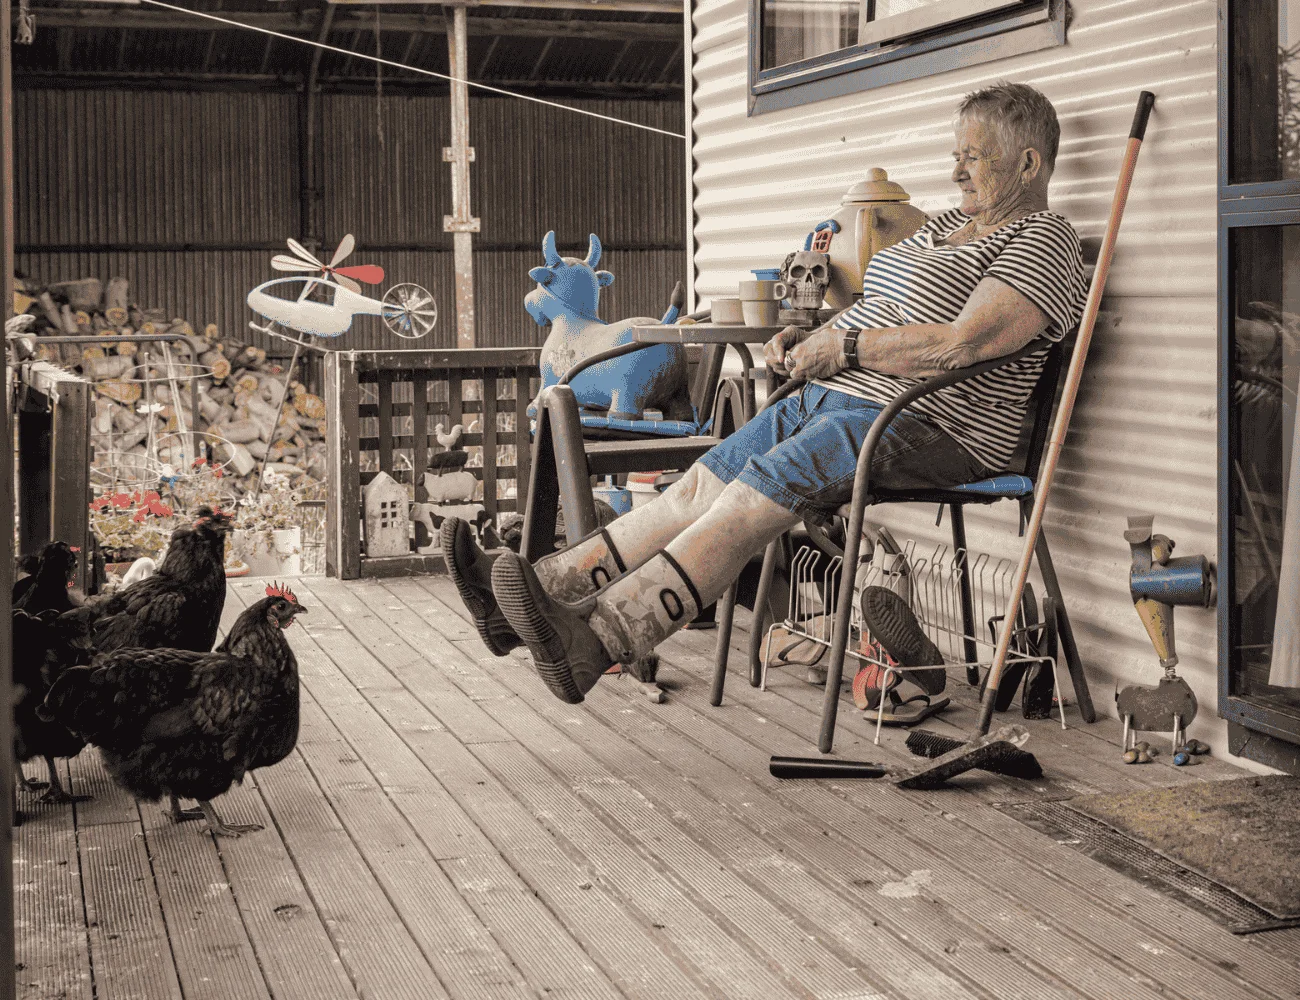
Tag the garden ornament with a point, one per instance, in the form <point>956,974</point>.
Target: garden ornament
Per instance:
<point>1157,583</point>
<point>806,274</point>
<point>873,215</point>
<point>323,306</point>
<point>566,297</point>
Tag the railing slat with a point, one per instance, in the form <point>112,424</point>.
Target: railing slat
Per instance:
<point>490,443</point>
<point>386,422</point>
<point>523,446</point>
<point>419,425</point>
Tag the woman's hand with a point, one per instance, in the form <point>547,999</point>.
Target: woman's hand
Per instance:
<point>776,349</point>
<point>820,355</point>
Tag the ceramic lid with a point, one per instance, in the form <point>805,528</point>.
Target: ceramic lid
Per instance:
<point>877,187</point>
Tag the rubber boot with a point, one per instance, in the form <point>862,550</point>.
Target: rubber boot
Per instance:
<point>470,569</point>
<point>581,569</point>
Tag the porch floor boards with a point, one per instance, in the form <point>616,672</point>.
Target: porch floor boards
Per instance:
<point>446,828</point>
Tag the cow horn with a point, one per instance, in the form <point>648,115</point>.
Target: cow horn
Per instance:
<point>593,252</point>
<point>551,254</point>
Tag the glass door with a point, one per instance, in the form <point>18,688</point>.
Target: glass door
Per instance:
<point>1259,366</point>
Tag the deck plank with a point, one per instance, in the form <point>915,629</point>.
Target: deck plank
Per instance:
<point>625,949</point>
<point>1185,928</point>
<point>53,955</point>
<point>128,939</point>
<point>767,924</point>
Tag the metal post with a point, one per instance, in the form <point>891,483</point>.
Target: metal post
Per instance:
<point>7,987</point>
<point>460,154</point>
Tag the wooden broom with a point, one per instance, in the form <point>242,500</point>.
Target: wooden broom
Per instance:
<point>1073,377</point>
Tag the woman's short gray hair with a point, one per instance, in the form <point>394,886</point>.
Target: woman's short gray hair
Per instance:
<point>1024,118</point>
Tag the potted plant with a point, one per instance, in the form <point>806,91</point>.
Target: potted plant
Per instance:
<point>268,535</point>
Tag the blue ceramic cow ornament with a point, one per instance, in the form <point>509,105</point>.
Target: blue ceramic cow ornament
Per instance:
<point>567,297</point>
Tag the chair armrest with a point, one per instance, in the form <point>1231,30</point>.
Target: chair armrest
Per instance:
<point>601,358</point>
<point>862,478</point>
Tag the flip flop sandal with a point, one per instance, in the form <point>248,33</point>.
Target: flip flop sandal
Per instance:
<point>897,714</point>
<point>867,681</point>
<point>891,622</point>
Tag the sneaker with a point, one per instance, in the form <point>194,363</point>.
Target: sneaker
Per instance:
<point>891,623</point>
<point>566,652</point>
<point>471,571</point>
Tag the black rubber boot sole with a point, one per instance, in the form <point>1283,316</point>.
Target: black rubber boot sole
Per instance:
<point>491,624</point>
<point>525,605</point>
<point>892,624</point>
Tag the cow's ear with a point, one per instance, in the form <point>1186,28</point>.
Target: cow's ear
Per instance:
<point>604,278</point>
<point>542,275</point>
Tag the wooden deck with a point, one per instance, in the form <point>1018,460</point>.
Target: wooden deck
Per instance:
<point>447,828</point>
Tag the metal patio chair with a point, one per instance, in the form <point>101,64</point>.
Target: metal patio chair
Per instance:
<point>1015,484</point>
<point>566,454</point>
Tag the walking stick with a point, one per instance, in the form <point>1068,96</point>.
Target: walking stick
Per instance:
<point>1072,379</point>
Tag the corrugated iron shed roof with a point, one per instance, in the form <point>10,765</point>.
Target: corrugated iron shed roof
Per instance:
<point>583,51</point>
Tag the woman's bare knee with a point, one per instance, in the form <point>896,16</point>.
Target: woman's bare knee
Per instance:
<point>696,491</point>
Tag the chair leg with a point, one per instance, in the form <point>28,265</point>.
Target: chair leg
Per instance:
<point>559,475</point>
<point>959,549</point>
<point>759,622</point>
<point>722,650</point>
<point>1064,630</point>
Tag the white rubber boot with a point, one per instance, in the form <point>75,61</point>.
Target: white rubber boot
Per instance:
<point>581,569</point>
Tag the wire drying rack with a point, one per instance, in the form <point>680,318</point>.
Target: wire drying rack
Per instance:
<point>930,581</point>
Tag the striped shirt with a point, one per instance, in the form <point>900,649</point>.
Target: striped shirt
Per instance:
<point>918,281</point>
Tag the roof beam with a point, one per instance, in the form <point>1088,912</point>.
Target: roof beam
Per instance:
<point>638,6</point>
<point>290,23</point>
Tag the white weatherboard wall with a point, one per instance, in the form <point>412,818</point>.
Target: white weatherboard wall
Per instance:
<point>1143,435</point>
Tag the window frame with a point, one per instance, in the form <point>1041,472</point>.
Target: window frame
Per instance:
<point>1241,205</point>
<point>1040,25</point>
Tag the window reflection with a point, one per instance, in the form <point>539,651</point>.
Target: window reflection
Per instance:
<point>1264,474</point>
<point>1264,116</point>
<point>800,29</point>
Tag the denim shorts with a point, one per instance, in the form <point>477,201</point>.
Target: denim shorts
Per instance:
<point>802,453</point>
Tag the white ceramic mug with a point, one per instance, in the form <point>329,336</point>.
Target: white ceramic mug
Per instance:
<point>761,312</point>
<point>763,291</point>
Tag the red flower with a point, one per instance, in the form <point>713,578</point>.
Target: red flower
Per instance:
<point>218,472</point>
<point>160,509</point>
<point>140,515</point>
<point>198,462</point>
<point>121,500</point>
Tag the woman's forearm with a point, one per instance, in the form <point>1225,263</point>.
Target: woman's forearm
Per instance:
<point>915,351</point>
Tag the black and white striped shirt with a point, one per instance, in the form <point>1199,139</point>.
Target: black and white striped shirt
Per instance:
<point>918,281</point>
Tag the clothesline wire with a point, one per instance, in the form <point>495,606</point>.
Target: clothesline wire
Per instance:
<point>414,69</point>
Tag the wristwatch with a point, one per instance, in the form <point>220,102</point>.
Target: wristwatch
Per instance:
<point>851,348</point>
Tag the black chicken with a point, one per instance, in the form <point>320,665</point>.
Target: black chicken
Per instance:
<point>38,653</point>
<point>52,574</point>
<point>182,724</point>
<point>179,607</point>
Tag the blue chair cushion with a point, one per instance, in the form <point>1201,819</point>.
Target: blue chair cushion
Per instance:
<point>660,428</point>
<point>1007,485</point>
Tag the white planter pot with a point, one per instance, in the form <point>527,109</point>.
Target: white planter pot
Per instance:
<point>283,559</point>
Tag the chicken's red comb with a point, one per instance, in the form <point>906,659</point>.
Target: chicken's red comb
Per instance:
<point>280,590</point>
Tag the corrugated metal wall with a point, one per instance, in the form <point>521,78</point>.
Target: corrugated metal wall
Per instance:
<point>130,172</point>
<point>1143,436</point>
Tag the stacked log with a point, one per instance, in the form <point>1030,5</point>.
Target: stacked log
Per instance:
<point>141,409</point>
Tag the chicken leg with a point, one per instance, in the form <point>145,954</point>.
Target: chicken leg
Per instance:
<point>54,791</point>
<point>25,783</point>
<point>218,828</point>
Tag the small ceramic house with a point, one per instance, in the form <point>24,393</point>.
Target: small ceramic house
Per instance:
<point>388,517</point>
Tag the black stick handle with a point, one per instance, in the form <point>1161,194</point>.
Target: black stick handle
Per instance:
<point>1146,101</point>
<point>820,767</point>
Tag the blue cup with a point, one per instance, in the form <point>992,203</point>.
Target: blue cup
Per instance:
<point>618,498</point>
<point>767,274</point>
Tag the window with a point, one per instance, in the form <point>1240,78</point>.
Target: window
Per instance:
<point>805,50</point>
<point>1259,364</point>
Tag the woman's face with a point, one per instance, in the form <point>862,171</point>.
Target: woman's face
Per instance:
<point>987,174</point>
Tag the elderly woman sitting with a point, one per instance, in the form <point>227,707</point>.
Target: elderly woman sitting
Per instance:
<point>976,283</point>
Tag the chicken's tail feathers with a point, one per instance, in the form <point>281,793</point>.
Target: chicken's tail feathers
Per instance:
<point>70,701</point>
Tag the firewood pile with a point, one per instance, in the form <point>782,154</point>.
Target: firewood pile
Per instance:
<point>142,426</point>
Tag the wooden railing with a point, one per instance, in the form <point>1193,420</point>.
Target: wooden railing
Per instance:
<point>382,408</point>
<point>53,475</point>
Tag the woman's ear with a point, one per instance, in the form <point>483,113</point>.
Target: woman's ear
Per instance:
<point>1031,165</point>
